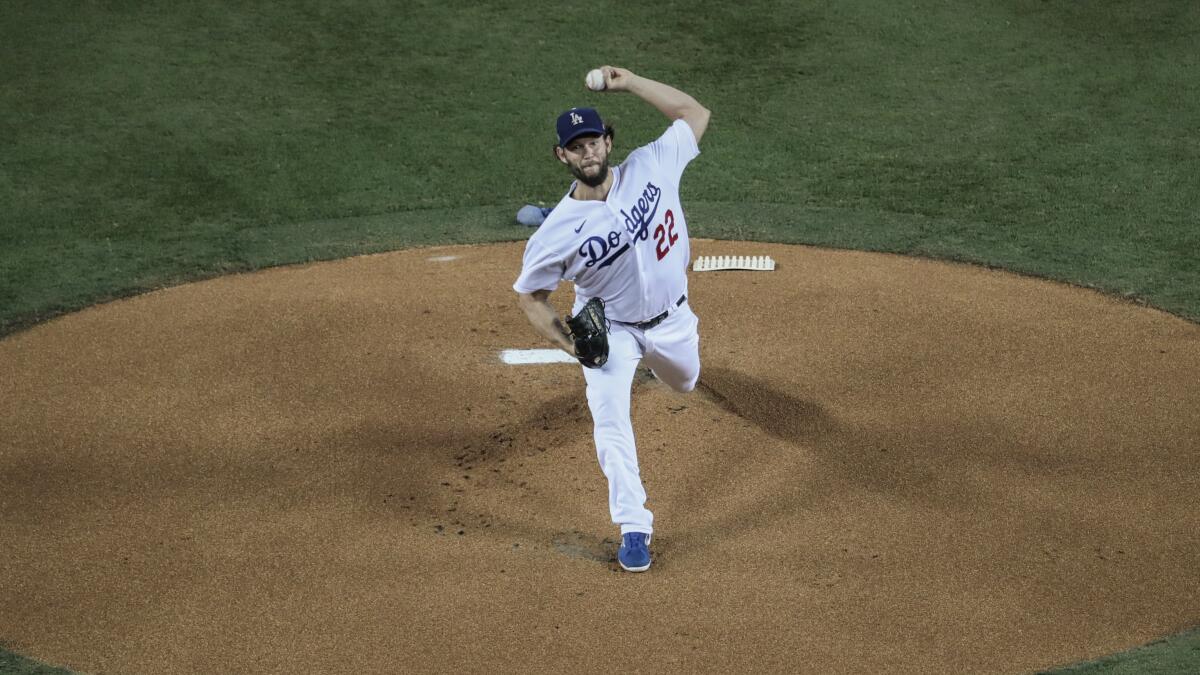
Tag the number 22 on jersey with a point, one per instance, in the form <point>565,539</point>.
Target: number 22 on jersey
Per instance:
<point>664,235</point>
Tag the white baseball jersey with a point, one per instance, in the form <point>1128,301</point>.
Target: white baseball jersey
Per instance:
<point>630,250</point>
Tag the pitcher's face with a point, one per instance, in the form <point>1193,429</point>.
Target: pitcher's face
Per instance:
<point>587,158</point>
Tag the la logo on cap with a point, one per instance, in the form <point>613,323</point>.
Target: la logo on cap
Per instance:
<point>576,119</point>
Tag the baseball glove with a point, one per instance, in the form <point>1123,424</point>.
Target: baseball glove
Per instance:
<point>589,330</point>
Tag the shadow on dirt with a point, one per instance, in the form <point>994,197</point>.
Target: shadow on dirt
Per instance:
<point>778,413</point>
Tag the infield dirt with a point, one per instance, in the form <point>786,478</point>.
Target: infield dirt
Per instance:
<point>891,465</point>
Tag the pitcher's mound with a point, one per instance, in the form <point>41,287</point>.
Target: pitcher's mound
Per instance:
<point>891,465</point>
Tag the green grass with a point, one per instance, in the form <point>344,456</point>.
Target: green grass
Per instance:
<point>1175,655</point>
<point>145,144</point>
<point>141,145</point>
<point>13,664</point>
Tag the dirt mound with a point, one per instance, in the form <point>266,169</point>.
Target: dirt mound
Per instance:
<point>890,464</point>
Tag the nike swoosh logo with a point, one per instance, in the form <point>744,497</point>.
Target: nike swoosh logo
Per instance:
<point>580,228</point>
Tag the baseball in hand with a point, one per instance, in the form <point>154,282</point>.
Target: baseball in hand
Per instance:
<point>595,79</point>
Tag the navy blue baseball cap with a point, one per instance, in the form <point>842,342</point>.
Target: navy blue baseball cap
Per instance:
<point>577,122</point>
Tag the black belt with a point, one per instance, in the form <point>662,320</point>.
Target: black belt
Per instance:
<point>651,323</point>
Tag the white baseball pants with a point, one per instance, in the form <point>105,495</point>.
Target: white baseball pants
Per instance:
<point>672,351</point>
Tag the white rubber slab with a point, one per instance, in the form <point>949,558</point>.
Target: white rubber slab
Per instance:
<point>528,356</point>
<point>710,263</point>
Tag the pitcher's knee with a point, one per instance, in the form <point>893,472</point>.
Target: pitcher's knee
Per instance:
<point>684,386</point>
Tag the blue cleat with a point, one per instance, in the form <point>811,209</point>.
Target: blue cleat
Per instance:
<point>533,216</point>
<point>634,554</point>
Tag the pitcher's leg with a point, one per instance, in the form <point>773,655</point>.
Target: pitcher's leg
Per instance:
<point>673,350</point>
<point>608,395</point>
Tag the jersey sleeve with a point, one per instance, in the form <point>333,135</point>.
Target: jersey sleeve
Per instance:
<point>541,270</point>
<point>674,149</point>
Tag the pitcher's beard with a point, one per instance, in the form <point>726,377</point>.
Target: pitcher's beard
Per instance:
<point>592,181</point>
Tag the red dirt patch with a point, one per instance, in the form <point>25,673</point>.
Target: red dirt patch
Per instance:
<point>891,464</point>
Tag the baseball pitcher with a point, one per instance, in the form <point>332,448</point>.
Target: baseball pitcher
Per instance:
<point>620,235</point>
